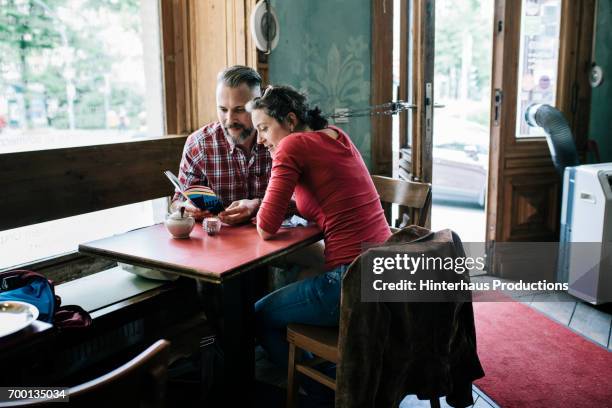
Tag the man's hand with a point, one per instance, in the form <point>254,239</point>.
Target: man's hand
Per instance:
<point>190,210</point>
<point>240,211</point>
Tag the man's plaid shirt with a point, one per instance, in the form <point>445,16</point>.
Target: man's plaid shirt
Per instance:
<point>211,159</point>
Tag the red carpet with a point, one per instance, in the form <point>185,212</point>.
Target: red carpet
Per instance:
<point>532,361</point>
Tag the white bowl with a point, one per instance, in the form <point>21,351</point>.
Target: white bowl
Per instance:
<point>15,316</point>
<point>179,228</point>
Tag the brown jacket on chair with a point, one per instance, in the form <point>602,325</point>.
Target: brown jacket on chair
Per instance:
<point>389,350</point>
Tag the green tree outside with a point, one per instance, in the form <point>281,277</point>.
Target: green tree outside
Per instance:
<point>56,57</point>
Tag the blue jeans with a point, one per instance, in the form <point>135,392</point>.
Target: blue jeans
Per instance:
<point>310,301</point>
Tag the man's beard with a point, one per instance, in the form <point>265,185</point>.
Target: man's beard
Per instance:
<point>242,137</point>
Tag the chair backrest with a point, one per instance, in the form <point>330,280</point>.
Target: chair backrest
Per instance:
<point>141,382</point>
<point>411,194</point>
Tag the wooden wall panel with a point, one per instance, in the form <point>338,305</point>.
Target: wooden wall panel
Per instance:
<point>574,90</point>
<point>533,210</point>
<point>532,162</point>
<point>423,77</point>
<point>382,88</point>
<point>211,54</point>
<point>222,39</point>
<point>251,50</point>
<point>51,184</point>
<point>180,80</point>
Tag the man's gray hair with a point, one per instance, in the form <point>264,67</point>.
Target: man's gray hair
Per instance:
<point>236,75</point>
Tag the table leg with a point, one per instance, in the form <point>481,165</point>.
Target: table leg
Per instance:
<point>229,307</point>
<point>238,339</point>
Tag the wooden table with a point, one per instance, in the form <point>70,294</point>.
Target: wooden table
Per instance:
<point>209,258</point>
<point>225,264</point>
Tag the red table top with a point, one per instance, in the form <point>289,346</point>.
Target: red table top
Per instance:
<point>233,250</point>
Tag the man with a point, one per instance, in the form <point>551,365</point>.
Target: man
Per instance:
<point>225,155</point>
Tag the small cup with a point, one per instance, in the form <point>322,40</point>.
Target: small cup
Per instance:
<point>211,225</point>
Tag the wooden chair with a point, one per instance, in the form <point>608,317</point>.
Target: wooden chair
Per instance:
<point>323,341</point>
<point>407,194</point>
<point>141,382</point>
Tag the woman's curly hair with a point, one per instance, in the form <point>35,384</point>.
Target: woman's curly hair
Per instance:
<point>279,101</point>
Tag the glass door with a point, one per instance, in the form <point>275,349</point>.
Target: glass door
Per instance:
<point>462,83</point>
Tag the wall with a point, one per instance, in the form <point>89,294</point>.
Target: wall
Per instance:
<point>600,128</point>
<point>324,49</point>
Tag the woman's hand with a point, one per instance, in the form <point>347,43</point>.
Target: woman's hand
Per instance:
<point>240,211</point>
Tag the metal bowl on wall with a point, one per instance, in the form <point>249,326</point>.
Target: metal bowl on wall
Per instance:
<point>264,27</point>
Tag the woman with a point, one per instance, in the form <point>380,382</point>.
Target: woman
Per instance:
<point>332,187</point>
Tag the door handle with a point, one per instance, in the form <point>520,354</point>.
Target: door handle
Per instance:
<point>497,107</point>
<point>428,110</point>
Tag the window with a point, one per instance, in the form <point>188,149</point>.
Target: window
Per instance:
<point>538,59</point>
<point>78,72</point>
<point>74,73</point>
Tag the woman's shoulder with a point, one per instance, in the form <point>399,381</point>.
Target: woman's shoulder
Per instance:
<point>291,147</point>
<point>302,141</point>
<point>338,130</point>
<point>331,131</point>
<point>293,140</point>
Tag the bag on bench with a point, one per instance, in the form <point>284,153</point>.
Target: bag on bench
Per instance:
<point>35,289</point>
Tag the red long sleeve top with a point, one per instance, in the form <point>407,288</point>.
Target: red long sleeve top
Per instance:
<point>332,188</point>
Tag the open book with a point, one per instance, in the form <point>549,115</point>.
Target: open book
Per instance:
<point>202,197</point>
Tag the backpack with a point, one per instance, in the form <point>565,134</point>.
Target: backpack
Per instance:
<point>35,289</point>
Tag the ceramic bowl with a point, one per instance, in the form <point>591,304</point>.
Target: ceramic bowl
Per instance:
<point>181,227</point>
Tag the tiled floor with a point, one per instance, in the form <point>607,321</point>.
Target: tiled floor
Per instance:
<point>592,322</point>
<point>481,400</point>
